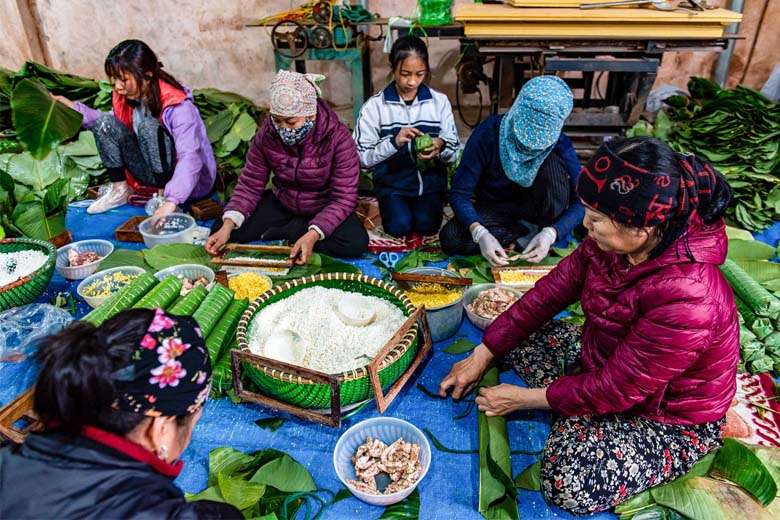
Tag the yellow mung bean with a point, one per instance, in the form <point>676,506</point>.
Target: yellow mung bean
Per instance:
<point>432,295</point>
<point>248,285</point>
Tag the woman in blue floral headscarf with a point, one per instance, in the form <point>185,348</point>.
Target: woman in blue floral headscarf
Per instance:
<point>119,403</point>
<point>516,181</point>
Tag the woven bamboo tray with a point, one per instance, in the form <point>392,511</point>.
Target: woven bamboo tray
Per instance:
<point>28,288</point>
<point>299,391</point>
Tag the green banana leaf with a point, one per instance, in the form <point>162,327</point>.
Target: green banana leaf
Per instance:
<point>31,219</point>
<point>41,123</point>
<point>737,463</point>
<point>701,498</point>
<point>749,250</point>
<point>497,494</point>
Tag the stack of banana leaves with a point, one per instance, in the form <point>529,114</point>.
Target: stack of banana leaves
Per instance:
<point>738,131</point>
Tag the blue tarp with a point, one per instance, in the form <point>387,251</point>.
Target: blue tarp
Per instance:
<point>449,491</point>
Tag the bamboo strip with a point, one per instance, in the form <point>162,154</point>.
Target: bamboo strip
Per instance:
<point>504,13</point>
<point>602,31</point>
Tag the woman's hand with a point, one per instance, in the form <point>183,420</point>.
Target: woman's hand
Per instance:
<point>465,374</point>
<point>165,209</point>
<point>219,238</point>
<point>65,101</point>
<point>303,247</point>
<point>434,150</point>
<point>405,135</point>
<point>504,399</point>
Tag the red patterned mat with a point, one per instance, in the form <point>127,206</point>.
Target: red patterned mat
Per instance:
<point>754,416</point>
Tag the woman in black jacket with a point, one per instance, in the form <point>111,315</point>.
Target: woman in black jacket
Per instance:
<point>119,403</point>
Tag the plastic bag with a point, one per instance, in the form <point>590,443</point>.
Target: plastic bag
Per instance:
<point>434,12</point>
<point>22,327</point>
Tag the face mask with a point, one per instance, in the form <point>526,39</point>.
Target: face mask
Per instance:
<point>291,137</point>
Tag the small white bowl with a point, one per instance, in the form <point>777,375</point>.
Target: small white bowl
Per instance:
<point>388,430</point>
<point>97,301</point>
<point>191,271</point>
<point>101,247</point>
<point>182,233</point>
<point>471,294</point>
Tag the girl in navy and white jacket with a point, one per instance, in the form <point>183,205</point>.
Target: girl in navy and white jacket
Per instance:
<point>411,199</point>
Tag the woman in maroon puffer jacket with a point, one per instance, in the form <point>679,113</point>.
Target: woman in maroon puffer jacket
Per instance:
<point>643,388</point>
<point>314,188</point>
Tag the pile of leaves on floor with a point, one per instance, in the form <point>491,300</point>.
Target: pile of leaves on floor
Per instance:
<point>40,143</point>
<point>736,481</point>
<point>269,484</point>
<point>738,131</point>
<point>39,176</point>
<point>263,484</point>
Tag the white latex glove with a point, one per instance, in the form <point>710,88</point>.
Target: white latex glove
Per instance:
<point>489,247</point>
<point>539,246</point>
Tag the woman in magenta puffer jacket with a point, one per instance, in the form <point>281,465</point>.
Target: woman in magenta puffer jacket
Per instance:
<point>643,387</point>
<point>313,192</point>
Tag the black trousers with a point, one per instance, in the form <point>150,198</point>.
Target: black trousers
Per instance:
<point>541,204</point>
<point>272,221</point>
<point>404,215</point>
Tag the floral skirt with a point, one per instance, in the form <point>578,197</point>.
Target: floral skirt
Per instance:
<point>592,463</point>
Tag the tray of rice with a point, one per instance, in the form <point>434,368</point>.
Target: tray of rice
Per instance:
<point>26,266</point>
<point>334,326</point>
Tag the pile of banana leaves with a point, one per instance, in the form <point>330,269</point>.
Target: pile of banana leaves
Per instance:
<point>738,131</point>
<point>231,120</point>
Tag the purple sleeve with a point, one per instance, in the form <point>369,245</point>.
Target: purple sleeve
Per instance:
<point>661,345</point>
<point>344,186</point>
<point>553,293</point>
<point>90,114</point>
<point>182,121</point>
<point>253,178</point>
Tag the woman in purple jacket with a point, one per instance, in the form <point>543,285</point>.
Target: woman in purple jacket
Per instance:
<point>641,390</point>
<point>154,139</point>
<point>313,192</point>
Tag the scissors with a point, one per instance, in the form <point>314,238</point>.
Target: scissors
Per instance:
<point>389,259</point>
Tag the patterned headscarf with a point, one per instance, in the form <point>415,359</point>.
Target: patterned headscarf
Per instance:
<point>638,197</point>
<point>294,94</point>
<point>532,126</point>
<point>169,373</point>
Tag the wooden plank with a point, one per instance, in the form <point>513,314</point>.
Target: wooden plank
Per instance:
<point>424,278</point>
<point>206,210</point>
<point>19,408</point>
<point>232,247</point>
<point>332,419</point>
<point>554,3</point>
<point>128,231</point>
<point>600,31</point>
<point>482,12</point>
<point>283,250</point>
<point>423,347</point>
<point>31,26</point>
<point>62,239</point>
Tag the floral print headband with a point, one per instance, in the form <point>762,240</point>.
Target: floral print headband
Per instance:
<point>169,373</point>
